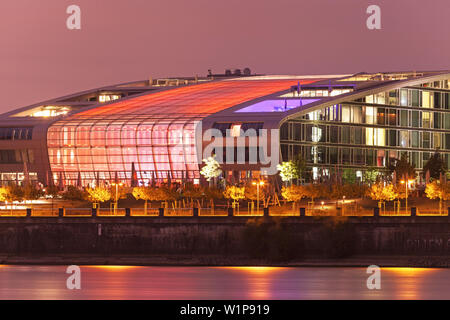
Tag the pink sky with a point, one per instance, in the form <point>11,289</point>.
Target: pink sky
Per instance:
<point>133,39</point>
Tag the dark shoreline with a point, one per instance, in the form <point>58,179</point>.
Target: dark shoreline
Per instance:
<point>219,261</point>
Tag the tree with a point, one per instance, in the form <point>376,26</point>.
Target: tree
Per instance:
<point>403,168</point>
<point>436,190</point>
<point>213,193</point>
<point>370,176</point>
<point>153,194</point>
<point>11,193</point>
<point>400,192</point>
<point>288,171</point>
<point>3,194</point>
<point>349,176</point>
<point>122,192</point>
<point>300,165</point>
<point>192,192</point>
<point>31,193</point>
<point>293,193</point>
<point>234,193</point>
<point>51,191</point>
<point>211,169</point>
<point>382,193</point>
<point>72,193</point>
<point>251,193</point>
<point>435,165</point>
<point>98,195</point>
<point>313,191</point>
<point>143,193</point>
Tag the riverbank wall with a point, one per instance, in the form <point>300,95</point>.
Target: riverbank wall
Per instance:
<point>274,238</point>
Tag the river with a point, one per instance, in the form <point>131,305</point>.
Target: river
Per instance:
<point>203,283</point>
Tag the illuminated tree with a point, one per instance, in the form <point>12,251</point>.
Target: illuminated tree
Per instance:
<point>143,193</point>
<point>293,193</point>
<point>251,193</point>
<point>192,192</point>
<point>3,194</point>
<point>382,193</point>
<point>370,176</point>
<point>98,195</point>
<point>436,190</point>
<point>313,191</point>
<point>234,193</point>
<point>288,171</point>
<point>211,169</point>
<point>122,192</point>
<point>153,194</point>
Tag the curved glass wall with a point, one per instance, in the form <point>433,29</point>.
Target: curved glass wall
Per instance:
<point>154,133</point>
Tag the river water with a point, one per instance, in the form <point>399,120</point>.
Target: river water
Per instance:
<point>203,283</point>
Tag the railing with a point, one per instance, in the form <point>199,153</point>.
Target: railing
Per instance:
<point>178,212</point>
<point>216,212</point>
<point>142,212</point>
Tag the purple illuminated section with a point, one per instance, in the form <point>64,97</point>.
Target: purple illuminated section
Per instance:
<point>276,105</point>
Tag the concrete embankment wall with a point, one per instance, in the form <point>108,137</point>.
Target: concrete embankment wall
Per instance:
<point>226,235</point>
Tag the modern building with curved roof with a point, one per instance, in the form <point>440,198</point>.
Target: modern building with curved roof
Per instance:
<point>158,129</point>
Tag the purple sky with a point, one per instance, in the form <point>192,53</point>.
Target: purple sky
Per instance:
<point>134,39</point>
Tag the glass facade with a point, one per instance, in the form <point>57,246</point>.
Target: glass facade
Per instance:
<point>153,132</point>
<point>372,131</point>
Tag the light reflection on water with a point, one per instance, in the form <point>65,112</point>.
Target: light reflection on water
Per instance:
<point>128,282</point>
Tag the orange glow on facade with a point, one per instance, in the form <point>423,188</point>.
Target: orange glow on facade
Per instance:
<point>154,131</point>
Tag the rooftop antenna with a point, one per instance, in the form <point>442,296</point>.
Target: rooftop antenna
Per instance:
<point>299,91</point>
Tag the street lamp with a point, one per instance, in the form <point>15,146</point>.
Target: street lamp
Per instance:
<point>117,195</point>
<point>257,184</point>
<point>406,183</point>
<point>343,202</point>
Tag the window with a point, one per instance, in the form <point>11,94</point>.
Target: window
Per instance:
<point>415,98</point>
<point>426,140</point>
<point>404,118</point>
<point>392,117</point>
<point>16,156</point>
<point>415,119</point>
<point>12,133</point>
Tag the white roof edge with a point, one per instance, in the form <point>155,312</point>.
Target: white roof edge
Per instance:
<point>289,77</point>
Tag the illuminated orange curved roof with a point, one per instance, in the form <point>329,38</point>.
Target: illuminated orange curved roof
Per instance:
<point>205,98</point>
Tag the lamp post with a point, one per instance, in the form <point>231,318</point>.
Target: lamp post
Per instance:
<point>343,203</point>
<point>406,183</point>
<point>257,184</point>
<point>117,195</point>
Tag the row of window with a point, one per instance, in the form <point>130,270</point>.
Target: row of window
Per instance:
<point>412,98</point>
<point>24,133</point>
<point>381,116</point>
<point>353,156</point>
<point>71,177</point>
<point>295,131</point>
<point>16,156</point>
